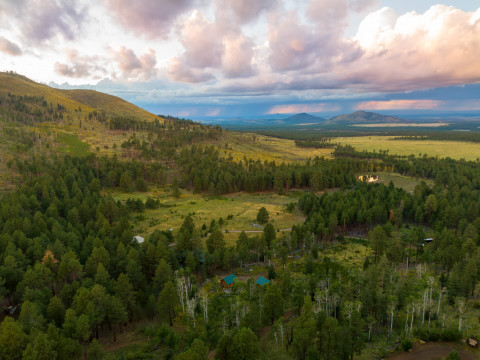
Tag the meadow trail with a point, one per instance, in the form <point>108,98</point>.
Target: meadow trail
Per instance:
<point>251,231</point>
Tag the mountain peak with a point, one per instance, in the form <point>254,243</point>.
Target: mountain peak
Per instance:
<point>365,117</point>
<point>303,118</point>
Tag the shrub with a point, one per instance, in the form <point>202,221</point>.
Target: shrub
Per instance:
<point>407,344</point>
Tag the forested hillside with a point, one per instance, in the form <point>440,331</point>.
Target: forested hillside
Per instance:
<point>371,269</point>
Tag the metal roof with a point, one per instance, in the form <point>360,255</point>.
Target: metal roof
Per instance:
<point>262,281</point>
<point>229,279</point>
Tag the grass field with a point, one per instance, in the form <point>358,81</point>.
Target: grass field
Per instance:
<point>405,182</point>
<point>452,149</point>
<point>351,254</point>
<point>72,145</point>
<point>242,206</point>
<point>265,148</point>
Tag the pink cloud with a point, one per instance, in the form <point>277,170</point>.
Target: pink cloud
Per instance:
<point>78,65</point>
<point>300,108</point>
<point>237,58</point>
<point>9,47</point>
<point>152,18</point>
<point>241,12</point>
<point>208,46</point>
<point>136,67</point>
<point>45,19</point>
<point>437,48</point>
<point>292,44</point>
<point>399,105</point>
<point>202,42</point>
<point>178,71</point>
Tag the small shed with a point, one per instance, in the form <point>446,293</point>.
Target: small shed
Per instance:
<point>262,281</point>
<point>227,281</point>
<point>138,239</point>
<point>428,240</point>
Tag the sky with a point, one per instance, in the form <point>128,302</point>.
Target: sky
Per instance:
<point>246,58</point>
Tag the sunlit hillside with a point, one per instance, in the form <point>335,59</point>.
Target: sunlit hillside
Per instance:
<point>86,100</point>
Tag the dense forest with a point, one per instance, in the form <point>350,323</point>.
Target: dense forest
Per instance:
<point>72,273</point>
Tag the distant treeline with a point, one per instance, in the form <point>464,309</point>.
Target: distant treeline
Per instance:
<point>470,136</point>
<point>322,143</point>
<point>458,131</point>
<point>315,135</point>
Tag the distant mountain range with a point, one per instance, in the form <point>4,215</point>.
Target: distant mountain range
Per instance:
<point>303,119</point>
<point>307,121</point>
<point>365,117</point>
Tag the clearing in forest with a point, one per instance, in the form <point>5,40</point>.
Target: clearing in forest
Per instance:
<point>242,206</point>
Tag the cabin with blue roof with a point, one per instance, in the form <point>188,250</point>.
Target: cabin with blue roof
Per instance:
<point>227,281</point>
<point>262,281</point>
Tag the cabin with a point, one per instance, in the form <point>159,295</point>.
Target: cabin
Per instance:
<point>138,239</point>
<point>262,281</point>
<point>227,281</point>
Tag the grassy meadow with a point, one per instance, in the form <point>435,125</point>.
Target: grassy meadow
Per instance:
<point>453,149</point>
<point>242,206</point>
<point>265,148</point>
<point>405,182</point>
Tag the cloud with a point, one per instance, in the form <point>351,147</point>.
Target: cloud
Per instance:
<point>202,42</point>
<point>152,18</point>
<point>237,59</point>
<point>241,12</point>
<point>363,5</point>
<point>208,47</point>
<point>301,108</point>
<point>411,51</point>
<point>399,105</point>
<point>312,45</point>
<point>135,67</point>
<point>178,71</point>
<point>9,47</point>
<point>327,13</point>
<point>292,44</point>
<point>78,66</point>
<point>45,19</point>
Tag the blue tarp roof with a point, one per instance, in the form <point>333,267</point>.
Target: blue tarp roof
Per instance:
<point>262,281</point>
<point>229,279</point>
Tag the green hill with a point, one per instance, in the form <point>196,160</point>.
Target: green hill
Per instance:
<point>86,100</point>
<point>365,117</point>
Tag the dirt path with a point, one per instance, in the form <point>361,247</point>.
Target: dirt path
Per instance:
<point>436,351</point>
<point>251,231</point>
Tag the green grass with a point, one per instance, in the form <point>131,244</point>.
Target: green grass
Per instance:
<point>352,253</point>
<point>242,206</point>
<point>72,144</point>
<point>405,182</point>
<point>265,148</point>
<point>453,149</point>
